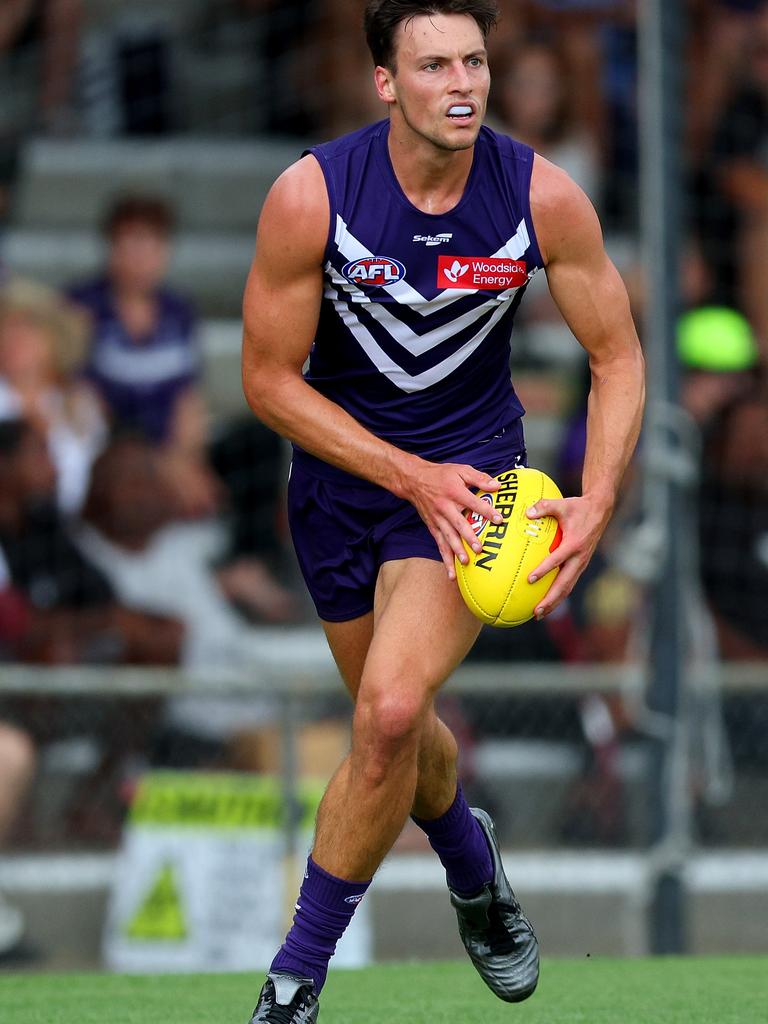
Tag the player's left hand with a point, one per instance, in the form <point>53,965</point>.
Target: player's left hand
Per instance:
<point>582,521</point>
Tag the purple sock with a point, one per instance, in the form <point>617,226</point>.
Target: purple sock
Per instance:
<point>460,843</point>
<point>324,909</point>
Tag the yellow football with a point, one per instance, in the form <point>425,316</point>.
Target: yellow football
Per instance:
<point>494,583</point>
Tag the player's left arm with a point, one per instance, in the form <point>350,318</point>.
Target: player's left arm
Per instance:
<point>593,300</point>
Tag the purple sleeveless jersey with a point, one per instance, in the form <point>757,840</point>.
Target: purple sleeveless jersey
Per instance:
<point>413,341</point>
<point>414,330</point>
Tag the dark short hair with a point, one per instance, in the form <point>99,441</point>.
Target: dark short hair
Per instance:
<point>383,16</point>
<point>152,211</point>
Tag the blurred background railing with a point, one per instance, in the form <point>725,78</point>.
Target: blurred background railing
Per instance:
<point>573,803</point>
<point>151,613</point>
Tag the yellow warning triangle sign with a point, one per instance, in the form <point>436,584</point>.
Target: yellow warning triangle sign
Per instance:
<point>160,916</point>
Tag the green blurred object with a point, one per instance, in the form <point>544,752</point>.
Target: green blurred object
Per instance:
<point>717,339</point>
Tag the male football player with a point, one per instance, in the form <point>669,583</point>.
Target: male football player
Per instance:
<point>395,259</point>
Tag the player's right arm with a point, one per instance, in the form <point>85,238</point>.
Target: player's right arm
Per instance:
<point>280,312</point>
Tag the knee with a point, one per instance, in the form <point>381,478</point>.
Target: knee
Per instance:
<point>389,721</point>
<point>385,736</point>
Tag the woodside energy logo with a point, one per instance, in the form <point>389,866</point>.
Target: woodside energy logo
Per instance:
<point>491,273</point>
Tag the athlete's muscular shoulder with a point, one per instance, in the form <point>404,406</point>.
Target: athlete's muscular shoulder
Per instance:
<point>285,284</point>
<point>294,221</point>
<point>582,280</point>
<point>565,220</point>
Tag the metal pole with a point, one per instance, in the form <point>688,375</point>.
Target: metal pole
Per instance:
<point>661,65</point>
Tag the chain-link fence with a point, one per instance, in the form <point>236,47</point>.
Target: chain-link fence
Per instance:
<point>571,793</point>
<point>560,753</point>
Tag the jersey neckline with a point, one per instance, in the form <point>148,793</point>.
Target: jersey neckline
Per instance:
<point>385,162</point>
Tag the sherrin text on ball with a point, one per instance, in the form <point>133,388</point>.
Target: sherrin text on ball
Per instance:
<point>494,583</point>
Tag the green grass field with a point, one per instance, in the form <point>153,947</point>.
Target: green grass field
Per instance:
<point>592,991</point>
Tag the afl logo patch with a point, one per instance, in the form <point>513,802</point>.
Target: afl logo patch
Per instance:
<point>475,520</point>
<point>374,271</point>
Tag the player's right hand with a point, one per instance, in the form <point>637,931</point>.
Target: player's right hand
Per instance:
<point>442,495</point>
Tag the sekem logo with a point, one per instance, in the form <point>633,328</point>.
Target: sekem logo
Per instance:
<point>430,240</point>
<point>374,271</point>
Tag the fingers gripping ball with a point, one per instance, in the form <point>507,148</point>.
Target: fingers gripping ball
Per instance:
<point>494,583</point>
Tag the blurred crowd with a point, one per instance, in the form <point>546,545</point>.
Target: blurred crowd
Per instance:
<point>132,531</point>
<point>137,530</point>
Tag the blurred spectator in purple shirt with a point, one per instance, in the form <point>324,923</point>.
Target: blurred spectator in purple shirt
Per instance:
<point>144,359</point>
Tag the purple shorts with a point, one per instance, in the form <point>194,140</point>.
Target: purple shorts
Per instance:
<point>344,528</point>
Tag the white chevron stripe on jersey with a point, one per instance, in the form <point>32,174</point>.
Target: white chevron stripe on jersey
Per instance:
<point>518,243</point>
<point>416,344</point>
<point>400,377</point>
<point>401,291</point>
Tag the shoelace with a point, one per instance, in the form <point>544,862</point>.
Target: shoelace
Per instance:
<point>495,933</point>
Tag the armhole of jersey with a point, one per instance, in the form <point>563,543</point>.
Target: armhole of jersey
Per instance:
<point>330,188</point>
<point>530,160</point>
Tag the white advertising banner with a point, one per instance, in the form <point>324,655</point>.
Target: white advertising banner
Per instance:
<point>202,882</point>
